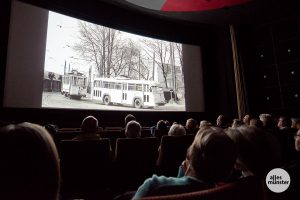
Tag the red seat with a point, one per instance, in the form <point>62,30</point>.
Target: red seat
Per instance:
<point>249,188</point>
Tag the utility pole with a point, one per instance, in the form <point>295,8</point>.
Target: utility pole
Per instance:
<point>153,69</point>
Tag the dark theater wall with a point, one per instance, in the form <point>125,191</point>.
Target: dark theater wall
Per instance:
<point>271,59</point>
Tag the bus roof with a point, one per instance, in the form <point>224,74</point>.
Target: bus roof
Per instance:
<point>128,81</point>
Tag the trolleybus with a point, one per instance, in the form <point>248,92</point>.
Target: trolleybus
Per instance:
<point>123,91</point>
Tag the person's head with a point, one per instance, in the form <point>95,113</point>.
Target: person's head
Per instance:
<point>258,151</point>
<point>204,123</point>
<point>176,130</point>
<point>89,125</point>
<point>52,129</point>
<point>133,129</point>
<point>29,166</point>
<point>267,120</point>
<point>297,141</point>
<point>236,123</point>
<point>167,123</point>
<point>191,124</point>
<point>256,122</point>
<point>129,118</point>
<point>211,156</point>
<point>220,120</point>
<point>295,123</point>
<point>284,122</point>
<point>246,119</point>
<point>161,125</point>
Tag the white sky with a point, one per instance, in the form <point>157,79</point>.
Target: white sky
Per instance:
<point>63,33</point>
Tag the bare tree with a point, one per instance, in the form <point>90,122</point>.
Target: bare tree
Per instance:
<point>97,44</point>
<point>159,51</point>
<point>112,54</point>
<point>51,76</point>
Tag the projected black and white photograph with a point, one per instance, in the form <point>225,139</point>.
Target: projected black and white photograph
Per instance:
<point>88,66</point>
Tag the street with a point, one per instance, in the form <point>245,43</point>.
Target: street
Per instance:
<point>57,100</point>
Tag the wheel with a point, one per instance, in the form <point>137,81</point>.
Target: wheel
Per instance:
<point>106,100</point>
<point>137,103</point>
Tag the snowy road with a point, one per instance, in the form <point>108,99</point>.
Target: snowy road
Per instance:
<point>56,100</point>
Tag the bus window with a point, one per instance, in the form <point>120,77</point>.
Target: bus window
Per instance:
<point>155,88</point>
<point>139,87</point>
<point>118,86</point>
<point>131,86</point>
<point>105,84</point>
<point>111,85</point>
<point>146,88</point>
<point>124,86</point>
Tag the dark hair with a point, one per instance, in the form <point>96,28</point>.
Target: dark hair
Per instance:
<point>257,149</point>
<point>128,118</point>
<point>133,129</point>
<point>29,166</point>
<point>161,125</point>
<point>89,124</point>
<point>212,154</point>
<point>191,124</point>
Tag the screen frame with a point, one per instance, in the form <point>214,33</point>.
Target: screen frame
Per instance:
<point>131,24</point>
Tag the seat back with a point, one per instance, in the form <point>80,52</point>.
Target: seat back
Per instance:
<point>112,135</point>
<point>135,160</point>
<point>172,152</point>
<point>249,188</point>
<point>85,164</point>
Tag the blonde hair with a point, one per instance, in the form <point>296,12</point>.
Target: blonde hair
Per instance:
<point>176,130</point>
<point>212,154</point>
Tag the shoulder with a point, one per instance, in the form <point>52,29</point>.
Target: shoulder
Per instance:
<point>158,181</point>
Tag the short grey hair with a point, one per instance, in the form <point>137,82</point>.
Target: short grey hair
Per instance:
<point>177,129</point>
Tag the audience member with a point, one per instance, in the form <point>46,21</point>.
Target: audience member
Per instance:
<point>161,129</point>
<point>204,123</point>
<point>293,168</point>
<point>256,122</point>
<point>295,123</point>
<point>209,160</point>
<point>268,121</point>
<point>246,119</point>
<point>129,118</point>
<point>236,123</point>
<point>29,166</point>
<point>176,130</point>
<point>221,122</point>
<point>89,129</point>
<point>284,123</point>
<point>258,151</point>
<point>133,129</point>
<point>52,129</point>
<point>191,126</point>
